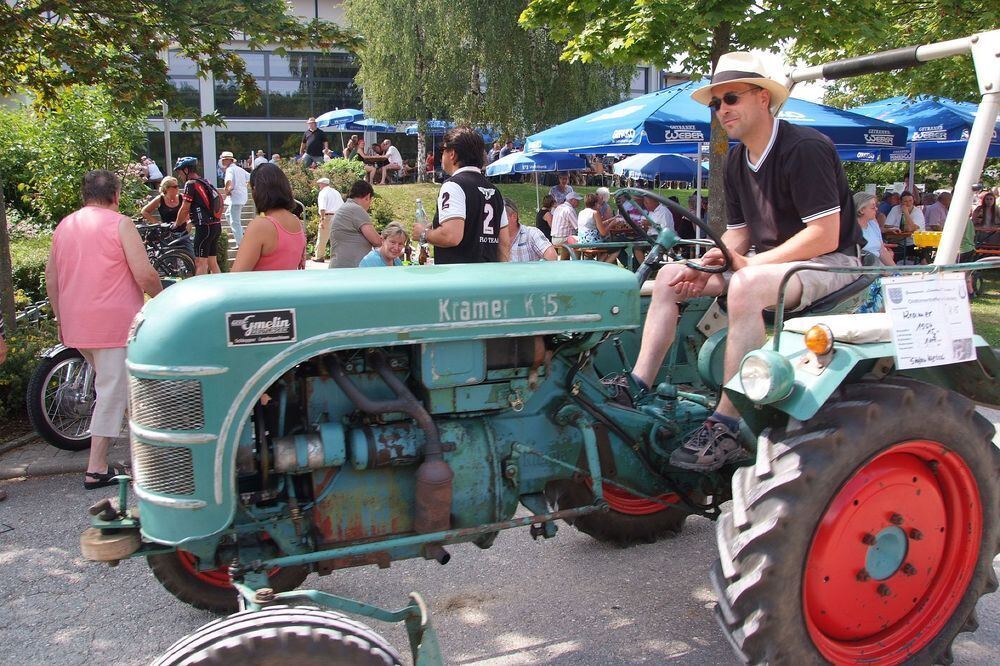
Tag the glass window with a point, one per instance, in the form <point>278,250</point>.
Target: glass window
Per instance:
<point>288,99</point>
<point>290,66</point>
<point>256,63</point>
<point>286,144</point>
<point>226,104</point>
<point>183,144</point>
<point>181,65</point>
<point>244,145</point>
<point>187,94</point>
<point>640,81</point>
<point>329,95</point>
<point>334,66</point>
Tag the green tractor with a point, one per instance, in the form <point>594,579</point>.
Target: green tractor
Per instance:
<point>327,420</point>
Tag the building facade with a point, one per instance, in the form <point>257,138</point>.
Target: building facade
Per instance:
<point>293,86</point>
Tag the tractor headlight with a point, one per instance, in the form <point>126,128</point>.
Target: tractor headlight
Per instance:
<point>766,376</point>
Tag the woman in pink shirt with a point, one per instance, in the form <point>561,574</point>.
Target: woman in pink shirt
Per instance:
<point>95,278</point>
<point>275,240</point>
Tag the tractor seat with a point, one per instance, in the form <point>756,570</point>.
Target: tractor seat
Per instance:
<point>845,300</point>
<point>850,328</point>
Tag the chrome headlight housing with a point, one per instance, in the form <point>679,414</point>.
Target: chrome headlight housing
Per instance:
<point>766,376</point>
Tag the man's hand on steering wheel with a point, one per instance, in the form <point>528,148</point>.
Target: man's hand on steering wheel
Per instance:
<point>691,282</point>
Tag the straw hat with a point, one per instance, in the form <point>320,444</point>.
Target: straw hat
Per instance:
<point>227,155</point>
<point>743,67</point>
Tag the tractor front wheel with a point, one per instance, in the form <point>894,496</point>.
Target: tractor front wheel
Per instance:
<point>303,635</point>
<point>629,519</point>
<point>865,535</point>
<point>212,590</point>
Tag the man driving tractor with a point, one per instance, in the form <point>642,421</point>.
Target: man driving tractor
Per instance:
<point>787,197</point>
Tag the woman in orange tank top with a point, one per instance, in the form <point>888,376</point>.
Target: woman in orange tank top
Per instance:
<point>275,240</point>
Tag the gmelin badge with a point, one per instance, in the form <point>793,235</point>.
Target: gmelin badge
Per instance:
<point>264,327</point>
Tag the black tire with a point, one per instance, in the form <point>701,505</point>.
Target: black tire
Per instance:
<point>278,635</point>
<point>796,581</point>
<point>611,526</point>
<point>174,264</point>
<point>209,590</point>
<point>59,404</point>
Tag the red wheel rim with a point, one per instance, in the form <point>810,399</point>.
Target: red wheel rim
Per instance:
<point>892,555</point>
<point>216,577</point>
<point>625,502</point>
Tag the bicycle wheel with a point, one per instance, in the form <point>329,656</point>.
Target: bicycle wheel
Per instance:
<point>175,263</point>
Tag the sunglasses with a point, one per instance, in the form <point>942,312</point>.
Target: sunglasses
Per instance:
<point>173,187</point>
<point>730,98</point>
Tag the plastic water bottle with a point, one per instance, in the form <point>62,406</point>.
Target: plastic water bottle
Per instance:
<point>421,215</point>
<point>422,219</point>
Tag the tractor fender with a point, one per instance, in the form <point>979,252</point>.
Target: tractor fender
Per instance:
<point>814,385</point>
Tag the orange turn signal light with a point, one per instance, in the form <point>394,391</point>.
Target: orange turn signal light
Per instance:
<point>819,339</point>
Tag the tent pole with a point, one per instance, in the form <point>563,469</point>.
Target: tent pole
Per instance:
<point>538,204</point>
<point>913,169</point>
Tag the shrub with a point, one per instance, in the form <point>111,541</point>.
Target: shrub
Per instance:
<point>302,181</point>
<point>343,173</point>
<point>22,359</point>
<point>29,256</point>
<point>382,212</point>
<point>222,250</point>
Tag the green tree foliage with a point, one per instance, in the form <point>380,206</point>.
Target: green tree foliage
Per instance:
<point>472,62</point>
<point>47,150</point>
<point>48,45</point>
<point>693,35</point>
<point>908,24</point>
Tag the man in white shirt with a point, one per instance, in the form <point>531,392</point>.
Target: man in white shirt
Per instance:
<point>659,213</point>
<point>906,218</point>
<point>936,213</point>
<point>564,222</point>
<point>260,159</point>
<point>395,162</point>
<point>328,202</point>
<point>153,173</point>
<point>235,193</point>
<point>526,243</point>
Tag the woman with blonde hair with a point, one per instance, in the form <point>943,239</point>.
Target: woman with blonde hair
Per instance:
<point>167,203</point>
<point>394,241</point>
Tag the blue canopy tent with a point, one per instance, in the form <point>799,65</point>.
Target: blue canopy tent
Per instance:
<point>535,163</point>
<point>937,128</point>
<point>669,120</point>
<point>663,167</point>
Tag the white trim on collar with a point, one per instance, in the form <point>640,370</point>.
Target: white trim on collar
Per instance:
<point>767,149</point>
<point>467,168</point>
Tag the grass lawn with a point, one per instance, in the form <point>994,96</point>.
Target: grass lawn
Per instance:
<point>403,198</point>
<point>986,311</point>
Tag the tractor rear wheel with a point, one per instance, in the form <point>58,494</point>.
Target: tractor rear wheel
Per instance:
<point>212,590</point>
<point>865,535</point>
<point>301,635</point>
<point>629,520</point>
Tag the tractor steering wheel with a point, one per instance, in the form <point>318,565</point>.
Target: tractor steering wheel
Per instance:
<point>714,240</point>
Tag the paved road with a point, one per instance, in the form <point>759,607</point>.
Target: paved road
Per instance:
<point>565,601</point>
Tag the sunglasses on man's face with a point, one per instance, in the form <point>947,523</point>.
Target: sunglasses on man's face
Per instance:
<point>730,98</point>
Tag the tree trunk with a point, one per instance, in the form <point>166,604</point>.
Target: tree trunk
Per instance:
<point>7,308</point>
<point>717,214</point>
<point>421,152</point>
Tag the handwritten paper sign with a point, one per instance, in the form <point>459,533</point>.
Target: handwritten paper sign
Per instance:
<point>931,320</point>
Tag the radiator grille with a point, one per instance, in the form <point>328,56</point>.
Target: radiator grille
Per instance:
<point>166,404</point>
<point>163,469</point>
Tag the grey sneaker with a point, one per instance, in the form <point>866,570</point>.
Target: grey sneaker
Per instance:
<point>709,448</point>
<point>619,389</point>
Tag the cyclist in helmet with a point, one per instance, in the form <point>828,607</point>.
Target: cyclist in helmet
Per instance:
<point>197,207</point>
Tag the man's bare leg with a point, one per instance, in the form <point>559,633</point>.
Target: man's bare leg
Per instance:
<point>661,321</point>
<point>751,290</point>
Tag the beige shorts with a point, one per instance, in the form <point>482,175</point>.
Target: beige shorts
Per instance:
<point>111,386</point>
<point>817,284</point>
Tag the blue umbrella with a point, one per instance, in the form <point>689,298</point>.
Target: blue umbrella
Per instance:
<point>669,120</point>
<point>434,128</point>
<point>535,163</point>
<point>665,167</point>
<point>368,125</point>
<point>331,119</point>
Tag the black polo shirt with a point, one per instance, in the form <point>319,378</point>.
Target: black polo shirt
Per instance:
<point>468,195</point>
<point>799,178</point>
<point>314,140</point>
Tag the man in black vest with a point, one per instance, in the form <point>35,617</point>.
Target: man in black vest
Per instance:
<point>471,222</point>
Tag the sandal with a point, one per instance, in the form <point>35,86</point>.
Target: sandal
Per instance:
<point>104,480</point>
